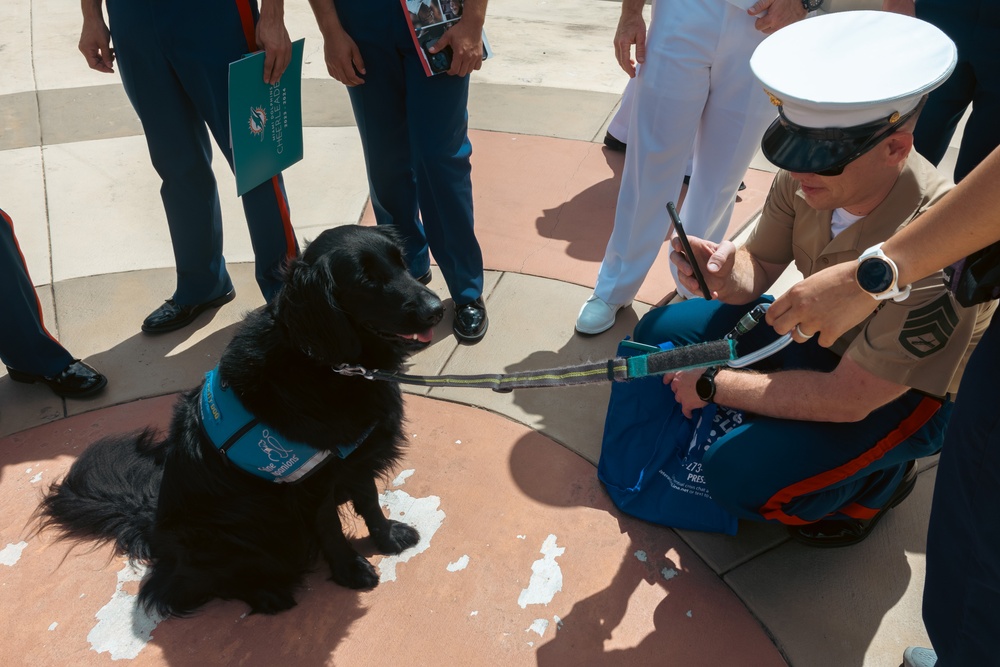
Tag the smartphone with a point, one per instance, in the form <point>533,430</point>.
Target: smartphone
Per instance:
<point>699,276</point>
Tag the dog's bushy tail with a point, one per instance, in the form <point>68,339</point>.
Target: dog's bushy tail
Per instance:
<point>109,494</point>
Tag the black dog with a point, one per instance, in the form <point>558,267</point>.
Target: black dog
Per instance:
<point>213,530</point>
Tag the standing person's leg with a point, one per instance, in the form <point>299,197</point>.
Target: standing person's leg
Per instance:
<point>617,135</point>
<point>29,351</point>
<point>179,146</point>
<point>201,55</point>
<point>946,105</point>
<point>438,123</point>
<point>944,109</point>
<point>671,86</point>
<point>962,588</point>
<point>379,106</point>
<point>982,133</point>
<point>736,114</point>
<point>25,343</point>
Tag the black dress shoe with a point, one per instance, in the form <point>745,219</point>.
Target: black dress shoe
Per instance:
<point>77,380</point>
<point>172,316</point>
<point>471,323</point>
<point>614,144</point>
<point>426,278</point>
<point>830,533</point>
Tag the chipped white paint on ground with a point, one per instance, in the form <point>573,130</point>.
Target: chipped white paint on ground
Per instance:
<point>123,627</point>
<point>546,576</point>
<point>459,564</point>
<point>640,556</point>
<point>539,626</point>
<point>11,553</point>
<point>522,537</point>
<point>559,622</point>
<point>475,613</point>
<point>53,626</point>
<point>36,479</point>
<point>458,442</point>
<point>421,513</point>
<point>668,573</point>
<point>402,477</point>
<point>690,614</point>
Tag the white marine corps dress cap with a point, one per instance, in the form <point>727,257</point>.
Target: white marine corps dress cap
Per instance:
<point>842,82</point>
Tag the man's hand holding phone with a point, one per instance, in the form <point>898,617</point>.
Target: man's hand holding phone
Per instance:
<point>718,260</point>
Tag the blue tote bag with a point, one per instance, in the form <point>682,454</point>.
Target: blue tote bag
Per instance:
<point>651,454</point>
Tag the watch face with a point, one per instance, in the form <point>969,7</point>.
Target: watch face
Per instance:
<point>705,387</point>
<point>875,275</point>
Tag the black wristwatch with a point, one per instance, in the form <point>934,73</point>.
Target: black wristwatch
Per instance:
<point>705,386</point>
<point>811,5</point>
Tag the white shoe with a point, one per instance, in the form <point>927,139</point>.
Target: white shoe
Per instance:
<point>915,656</point>
<point>597,315</point>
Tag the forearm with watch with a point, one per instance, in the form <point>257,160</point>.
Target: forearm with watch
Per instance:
<point>878,275</point>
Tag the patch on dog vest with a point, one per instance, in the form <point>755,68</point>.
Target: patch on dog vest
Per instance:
<point>252,445</point>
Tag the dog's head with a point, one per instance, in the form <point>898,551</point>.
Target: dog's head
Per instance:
<point>350,298</point>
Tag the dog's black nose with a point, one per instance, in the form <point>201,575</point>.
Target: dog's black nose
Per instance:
<point>429,308</point>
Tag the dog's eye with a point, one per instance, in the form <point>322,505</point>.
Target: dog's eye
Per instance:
<point>374,271</point>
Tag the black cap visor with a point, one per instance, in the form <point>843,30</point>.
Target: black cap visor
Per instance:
<point>826,151</point>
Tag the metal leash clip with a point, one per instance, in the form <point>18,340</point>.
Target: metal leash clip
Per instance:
<point>347,369</point>
<point>748,322</point>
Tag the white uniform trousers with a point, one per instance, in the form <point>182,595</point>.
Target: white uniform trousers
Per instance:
<point>695,94</point>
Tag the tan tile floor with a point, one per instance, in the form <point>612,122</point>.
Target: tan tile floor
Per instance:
<point>497,482</point>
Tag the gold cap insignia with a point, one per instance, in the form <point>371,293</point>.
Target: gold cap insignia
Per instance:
<point>894,117</point>
<point>774,100</point>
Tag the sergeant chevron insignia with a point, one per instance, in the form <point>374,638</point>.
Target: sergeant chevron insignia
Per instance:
<point>928,329</point>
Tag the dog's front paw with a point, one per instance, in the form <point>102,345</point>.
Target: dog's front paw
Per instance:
<point>270,601</point>
<point>396,538</point>
<point>356,573</point>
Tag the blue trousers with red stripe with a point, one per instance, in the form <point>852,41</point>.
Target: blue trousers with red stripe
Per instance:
<point>962,589</point>
<point>25,344</point>
<point>797,472</point>
<point>415,135</point>
<point>174,62</point>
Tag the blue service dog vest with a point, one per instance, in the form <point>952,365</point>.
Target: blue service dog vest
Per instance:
<point>252,445</point>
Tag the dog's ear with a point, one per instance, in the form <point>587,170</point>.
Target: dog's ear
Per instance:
<point>307,307</point>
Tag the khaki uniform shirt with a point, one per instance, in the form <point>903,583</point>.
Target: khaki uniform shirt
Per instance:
<point>923,342</point>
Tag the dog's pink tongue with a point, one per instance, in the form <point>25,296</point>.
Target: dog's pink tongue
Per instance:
<point>426,336</point>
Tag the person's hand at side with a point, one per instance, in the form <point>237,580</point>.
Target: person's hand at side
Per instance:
<point>773,15</point>
<point>273,38</point>
<point>631,31</point>
<point>95,38</point>
<point>343,58</point>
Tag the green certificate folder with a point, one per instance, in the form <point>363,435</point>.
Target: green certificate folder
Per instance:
<point>265,121</point>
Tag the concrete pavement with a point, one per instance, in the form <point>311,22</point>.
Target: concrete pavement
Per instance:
<point>498,482</point>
